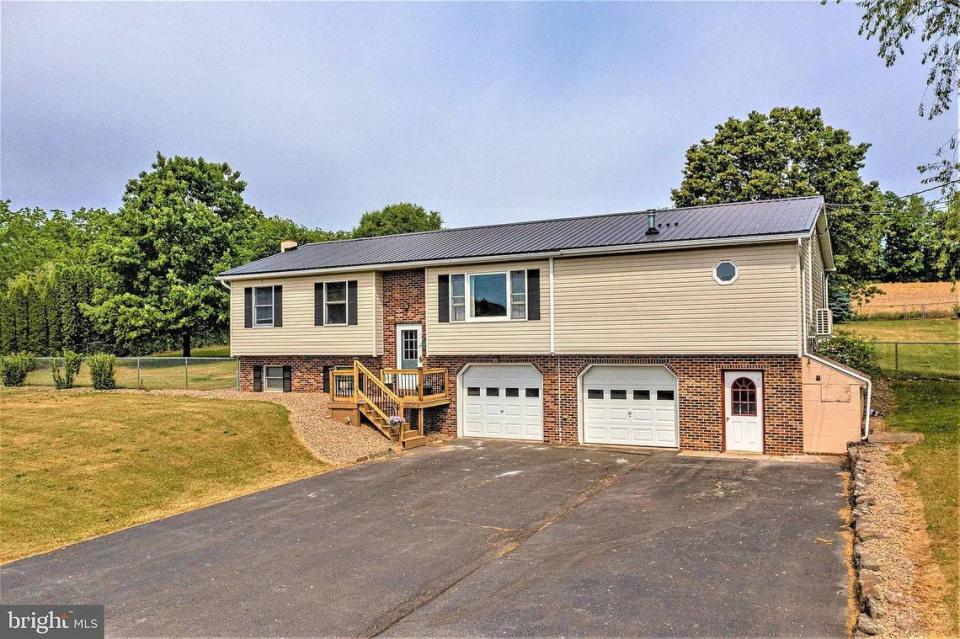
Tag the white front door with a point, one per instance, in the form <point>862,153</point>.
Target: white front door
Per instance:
<point>743,399</point>
<point>502,401</point>
<point>630,405</point>
<point>409,355</point>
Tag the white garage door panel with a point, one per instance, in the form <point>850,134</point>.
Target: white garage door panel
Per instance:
<point>502,401</point>
<point>632,405</point>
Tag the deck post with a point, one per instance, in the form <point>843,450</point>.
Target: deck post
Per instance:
<point>420,423</point>
<point>420,385</point>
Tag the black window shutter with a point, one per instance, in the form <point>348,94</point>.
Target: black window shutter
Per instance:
<point>248,307</point>
<point>257,379</point>
<point>287,379</point>
<point>443,298</point>
<point>352,302</point>
<point>278,306</point>
<point>318,304</point>
<point>326,379</point>
<point>533,294</point>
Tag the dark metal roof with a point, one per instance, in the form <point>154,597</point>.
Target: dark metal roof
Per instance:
<point>741,219</point>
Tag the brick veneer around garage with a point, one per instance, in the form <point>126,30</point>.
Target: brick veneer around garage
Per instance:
<point>700,387</point>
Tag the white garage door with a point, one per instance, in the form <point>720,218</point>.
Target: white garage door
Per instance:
<point>502,401</point>
<point>630,405</point>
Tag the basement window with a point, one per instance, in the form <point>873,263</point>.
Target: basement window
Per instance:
<point>273,378</point>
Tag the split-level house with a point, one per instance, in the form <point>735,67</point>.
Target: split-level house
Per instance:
<point>691,329</point>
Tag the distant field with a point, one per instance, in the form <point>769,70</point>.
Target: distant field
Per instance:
<point>929,298</point>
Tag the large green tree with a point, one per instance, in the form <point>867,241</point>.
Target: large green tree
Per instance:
<point>792,152</point>
<point>180,224</point>
<point>908,243</point>
<point>402,217</point>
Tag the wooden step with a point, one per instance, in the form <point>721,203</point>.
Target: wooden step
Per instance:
<point>414,442</point>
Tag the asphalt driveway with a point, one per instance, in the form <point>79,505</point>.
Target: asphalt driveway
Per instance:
<point>480,538</point>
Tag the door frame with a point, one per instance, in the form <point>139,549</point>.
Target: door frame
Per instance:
<point>762,413</point>
<point>399,340</point>
<point>580,402</point>
<point>460,396</point>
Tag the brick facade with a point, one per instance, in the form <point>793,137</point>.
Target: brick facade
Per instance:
<point>700,379</point>
<point>404,302</point>
<point>700,386</point>
<point>306,375</point>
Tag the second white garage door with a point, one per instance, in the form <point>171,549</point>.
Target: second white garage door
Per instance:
<point>502,401</point>
<point>630,405</point>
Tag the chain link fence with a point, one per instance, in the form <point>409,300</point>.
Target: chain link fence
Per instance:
<point>155,373</point>
<point>919,359</point>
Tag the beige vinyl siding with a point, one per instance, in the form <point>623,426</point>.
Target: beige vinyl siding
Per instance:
<point>669,303</point>
<point>502,337</point>
<point>298,335</point>
<point>817,266</point>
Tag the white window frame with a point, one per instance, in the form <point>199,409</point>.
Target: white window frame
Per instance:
<point>267,377</point>
<point>345,302</point>
<point>452,313</point>
<point>468,297</point>
<point>272,306</point>
<point>736,273</point>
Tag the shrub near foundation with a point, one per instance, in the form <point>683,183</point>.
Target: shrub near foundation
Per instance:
<point>101,371</point>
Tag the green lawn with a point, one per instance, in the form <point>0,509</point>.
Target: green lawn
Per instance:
<point>937,356</point>
<point>933,408</point>
<point>77,465</point>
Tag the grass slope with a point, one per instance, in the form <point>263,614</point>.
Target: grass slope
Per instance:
<point>938,357</point>
<point>77,465</point>
<point>916,330</point>
<point>933,408</point>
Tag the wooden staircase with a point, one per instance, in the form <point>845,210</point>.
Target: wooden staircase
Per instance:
<point>384,409</point>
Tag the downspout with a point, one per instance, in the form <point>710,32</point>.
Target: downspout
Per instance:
<point>225,284</point>
<point>553,348</point>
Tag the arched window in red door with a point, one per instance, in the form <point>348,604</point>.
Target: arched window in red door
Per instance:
<point>743,397</point>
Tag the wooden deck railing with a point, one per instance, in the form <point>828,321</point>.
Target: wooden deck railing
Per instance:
<point>419,383</point>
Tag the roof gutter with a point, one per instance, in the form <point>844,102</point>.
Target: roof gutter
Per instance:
<point>576,252</point>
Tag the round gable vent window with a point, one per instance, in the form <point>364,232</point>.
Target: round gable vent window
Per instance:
<point>725,272</point>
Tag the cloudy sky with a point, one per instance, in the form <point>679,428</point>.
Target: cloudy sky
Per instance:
<point>485,112</point>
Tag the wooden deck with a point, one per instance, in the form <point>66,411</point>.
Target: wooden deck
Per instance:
<point>391,401</point>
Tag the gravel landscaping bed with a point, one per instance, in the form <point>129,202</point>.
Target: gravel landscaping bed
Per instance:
<point>328,439</point>
<point>890,582</point>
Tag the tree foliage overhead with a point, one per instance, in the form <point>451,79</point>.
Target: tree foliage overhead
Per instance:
<point>791,152</point>
<point>393,219</point>
<point>892,23</point>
